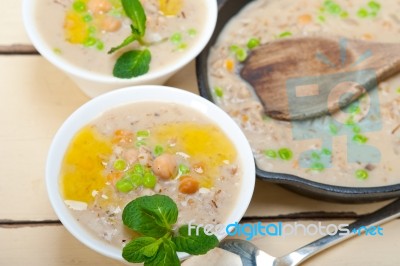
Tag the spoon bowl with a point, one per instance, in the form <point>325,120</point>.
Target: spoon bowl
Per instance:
<point>275,71</point>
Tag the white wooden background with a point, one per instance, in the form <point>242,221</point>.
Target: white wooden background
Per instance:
<point>35,98</point>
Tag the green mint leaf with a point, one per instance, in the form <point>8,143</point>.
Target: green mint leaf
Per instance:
<point>166,255</point>
<point>151,215</point>
<point>132,64</point>
<point>134,10</point>
<point>131,38</point>
<point>195,243</point>
<point>141,249</point>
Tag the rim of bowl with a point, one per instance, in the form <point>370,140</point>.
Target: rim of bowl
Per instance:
<point>96,106</point>
<point>313,188</point>
<point>29,21</point>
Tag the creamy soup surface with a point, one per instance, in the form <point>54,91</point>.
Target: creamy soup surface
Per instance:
<point>359,146</point>
<point>83,31</point>
<point>158,148</point>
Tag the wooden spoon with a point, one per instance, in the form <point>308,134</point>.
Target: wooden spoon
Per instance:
<point>300,78</point>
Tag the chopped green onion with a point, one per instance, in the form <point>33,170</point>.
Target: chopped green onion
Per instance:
<point>285,154</point>
<point>119,165</point>
<point>218,92</point>
<point>350,121</point>
<point>142,134</point>
<point>87,18</point>
<point>124,185</point>
<point>360,138</point>
<point>344,14</point>
<point>57,51</point>
<point>270,154</point>
<point>326,151</point>
<point>136,179</point>
<point>79,6</point>
<point>92,30</point>
<point>233,48</point>
<point>183,169</point>
<point>241,54</point>
<point>192,32</point>
<point>176,38</point>
<point>158,150</point>
<point>333,129</point>
<point>334,9</point>
<point>100,45</point>
<point>285,34</point>
<point>398,90</point>
<point>362,174</point>
<point>362,13</point>
<point>321,18</point>
<point>138,169</point>
<point>149,180</point>
<point>90,41</point>
<point>182,46</point>
<point>253,43</point>
<point>315,156</point>
<point>140,143</point>
<point>374,5</point>
<point>317,166</point>
<point>356,129</point>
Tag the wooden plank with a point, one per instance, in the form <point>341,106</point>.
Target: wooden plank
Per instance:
<point>12,30</point>
<point>53,245</point>
<point>36,99</point>
<point>17,49</point>
<point>46,245</point>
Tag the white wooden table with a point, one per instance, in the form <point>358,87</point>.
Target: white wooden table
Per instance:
<point>36,98</point>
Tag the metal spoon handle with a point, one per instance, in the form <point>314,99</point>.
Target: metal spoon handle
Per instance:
<point>387,213</point>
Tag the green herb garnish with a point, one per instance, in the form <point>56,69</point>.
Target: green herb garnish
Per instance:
<point>119,164</point>
<point>219,92</point>
<point>318,166</point>
<point>154,217</point>
<point>360,139</point>
<point>158,150</point>
<point>333,129</point>
<point>285,34</point>
<point>137,62</point>
<point>253,43</point>
<point>132,64</point>
<point>270,154</point>
<point>361,174</point>
<point>285,154</point>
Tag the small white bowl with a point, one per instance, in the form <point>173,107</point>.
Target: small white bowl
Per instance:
<point>94,84</point>
<point>95,107</point>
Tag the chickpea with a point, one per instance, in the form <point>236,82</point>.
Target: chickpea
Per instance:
<point>188,185</point>
<point>99,6</point>
<point>109,24</point>
<point>165,166</point>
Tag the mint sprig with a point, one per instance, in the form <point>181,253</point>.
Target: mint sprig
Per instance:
<point>154,217</point>
<point>137,62</point>
<point>132,64</point>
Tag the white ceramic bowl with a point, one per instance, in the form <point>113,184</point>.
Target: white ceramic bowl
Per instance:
<point>94,84</point>
<point>95,107</point>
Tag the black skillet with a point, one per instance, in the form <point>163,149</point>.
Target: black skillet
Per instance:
<point>227,9</point>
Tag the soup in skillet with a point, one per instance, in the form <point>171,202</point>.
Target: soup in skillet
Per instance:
<point>363,147</point>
